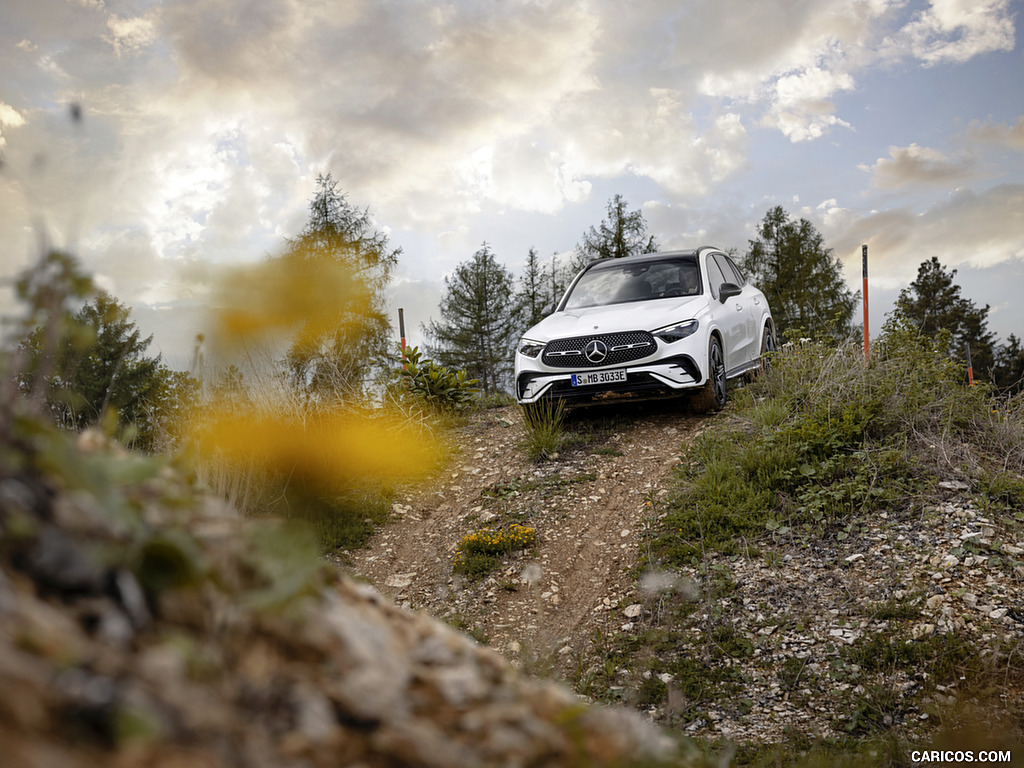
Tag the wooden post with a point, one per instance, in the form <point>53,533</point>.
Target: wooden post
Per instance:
<point>401,326</point>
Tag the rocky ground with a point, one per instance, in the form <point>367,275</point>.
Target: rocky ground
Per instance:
<point>589,506</point>
<point>144,623</point>
<point>799,634</point>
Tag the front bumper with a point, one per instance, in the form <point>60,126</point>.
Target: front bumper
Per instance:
<point>663,377</point>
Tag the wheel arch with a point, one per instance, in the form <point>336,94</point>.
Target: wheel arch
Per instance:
<point>716,333</point>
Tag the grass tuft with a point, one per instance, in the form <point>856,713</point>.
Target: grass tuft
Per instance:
<point>544,424</point>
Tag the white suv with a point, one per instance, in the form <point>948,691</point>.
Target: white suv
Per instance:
<point>647,326</point>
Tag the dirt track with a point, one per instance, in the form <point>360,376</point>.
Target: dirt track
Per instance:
<point>588,507</point>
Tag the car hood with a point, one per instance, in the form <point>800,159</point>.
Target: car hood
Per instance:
<point>632,316</point>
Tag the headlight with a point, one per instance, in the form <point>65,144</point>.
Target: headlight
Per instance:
<point>530,348</point>
<point>676,331</point>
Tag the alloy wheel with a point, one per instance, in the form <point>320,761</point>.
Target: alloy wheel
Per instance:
<point>716,366</point>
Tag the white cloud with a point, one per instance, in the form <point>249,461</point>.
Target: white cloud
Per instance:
<point>802,108</point>
<point>958,30</point>
<point>999,134</point>
<point>128,36</point>
<point>976,229</point>
<point>651,134</point>
<point>9,118</point>
<point>812,85</point>
<point>528,175</point>
<point>742,49</point>
<point>915,165</point>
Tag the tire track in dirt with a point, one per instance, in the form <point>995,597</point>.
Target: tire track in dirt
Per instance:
<point>588,507</point>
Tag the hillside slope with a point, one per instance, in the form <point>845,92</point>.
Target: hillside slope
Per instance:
<point>589,508</point>
<point>144,623</point>
<point>884,627</point>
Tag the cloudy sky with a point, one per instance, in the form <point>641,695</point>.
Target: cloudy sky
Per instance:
<point>204,124</point>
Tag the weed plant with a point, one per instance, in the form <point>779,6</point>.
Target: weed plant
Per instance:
<point>296,472</point>
<point>276,445</point>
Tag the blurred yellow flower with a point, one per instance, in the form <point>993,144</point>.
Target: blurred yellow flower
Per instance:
<point>333,448</point>
<point>289,292</point>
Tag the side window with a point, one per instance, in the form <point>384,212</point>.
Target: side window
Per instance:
<point>715,276</point>
<point>732,275</point>
<point>741,278</point>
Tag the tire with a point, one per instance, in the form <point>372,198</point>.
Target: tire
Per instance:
<point>711,397</point>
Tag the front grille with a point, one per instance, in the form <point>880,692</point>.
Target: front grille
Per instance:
<point>621,348</point>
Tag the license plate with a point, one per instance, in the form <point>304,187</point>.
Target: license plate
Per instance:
<point>597,377</point>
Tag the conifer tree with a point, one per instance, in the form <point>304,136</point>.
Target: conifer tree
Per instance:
<point>933,303</point>
<point>622,233</point>
<point>338,359</point>
<point>1009,366</point>
<point>800,277</point>
<point>478,329</point>
<point>531,295</point>
<point>101,367</point>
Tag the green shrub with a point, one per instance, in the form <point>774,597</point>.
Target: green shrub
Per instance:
<point>434,383</point>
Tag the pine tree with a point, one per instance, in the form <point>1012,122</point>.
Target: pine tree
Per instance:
<point>623,233</point>
<point>478,330</point>
<point>800,277</point>
<point>531,295</point>
<point>933,303</point>
<point>101,367</point>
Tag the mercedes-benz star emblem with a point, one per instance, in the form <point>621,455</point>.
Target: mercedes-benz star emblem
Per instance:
<point>596,351</point>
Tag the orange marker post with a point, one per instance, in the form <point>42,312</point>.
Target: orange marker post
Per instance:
<point>864,259</point>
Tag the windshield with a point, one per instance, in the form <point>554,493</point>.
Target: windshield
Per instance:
<point>618,282</point>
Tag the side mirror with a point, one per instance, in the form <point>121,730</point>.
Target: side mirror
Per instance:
<point>728,290</point>
<point>548,309</point>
